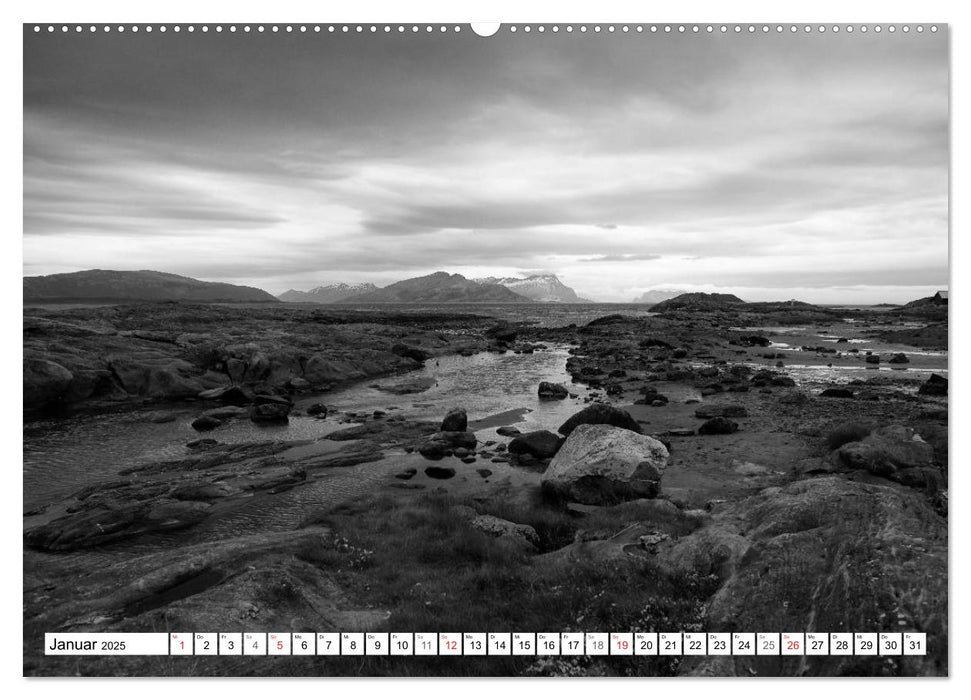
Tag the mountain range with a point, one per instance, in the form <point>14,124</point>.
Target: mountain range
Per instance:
<point>444,287</point>
<point>546,288</point>
<point>437,287</point>
<point>656,296</point>
<point>329,294</point>
<point>133,286</point>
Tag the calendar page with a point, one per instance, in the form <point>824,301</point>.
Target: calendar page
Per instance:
<point>520,349</point>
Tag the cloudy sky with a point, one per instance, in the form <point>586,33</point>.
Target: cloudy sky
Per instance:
<point>772,166</point>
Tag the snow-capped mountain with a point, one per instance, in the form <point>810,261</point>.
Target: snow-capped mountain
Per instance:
<point>328,294</point>
<point>538,288</point>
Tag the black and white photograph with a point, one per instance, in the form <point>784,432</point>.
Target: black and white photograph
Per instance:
<point>515,350</point>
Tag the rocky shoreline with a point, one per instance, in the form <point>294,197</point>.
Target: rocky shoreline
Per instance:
<point>697,485</point>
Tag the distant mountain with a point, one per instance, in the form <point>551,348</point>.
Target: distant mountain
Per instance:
<point>438,287</point>
<point>546,288</point>
<point>129,285</point>
<point>656,296</point>
<point>699,301</point>
<point>328,294</point>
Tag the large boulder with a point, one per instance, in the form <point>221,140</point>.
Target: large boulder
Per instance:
<point>455,421</point>
<point>603,464</point>
<point>549,390</point>
<point>886,451</point>
<point>600,414</point>
<point>160,379</point>
<point>45,382</point>
<point>541,444</point>
<point>936,385</point>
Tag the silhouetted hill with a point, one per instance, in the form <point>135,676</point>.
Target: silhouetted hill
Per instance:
<point>130,285</point>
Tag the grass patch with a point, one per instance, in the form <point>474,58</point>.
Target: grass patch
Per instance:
<point>418,557</point>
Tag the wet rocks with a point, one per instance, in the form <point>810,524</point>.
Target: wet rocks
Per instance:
<point>503,333</point>
<point>230,395</point>
<point>871,359</point>
<point>718,426</point>
<point>317,410</point>
<point>551,391</point>
<point>101,525</point>
<point>541,444</point>
<point>204,422</point>
<point>600,414</point>
<point>455,420</point>
<point>436,472</point>
<point>936,385</point>
<point>508,431</point>
<point>445,443</point>
<point>898,358</point>
<point>837,393</point>
<point>603,464</point>
<point>722,410</point>
<point>270,412</point>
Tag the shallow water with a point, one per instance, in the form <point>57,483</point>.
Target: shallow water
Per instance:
<point>65,455</point>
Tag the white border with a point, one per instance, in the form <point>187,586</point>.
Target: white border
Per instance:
<point>434,11</point>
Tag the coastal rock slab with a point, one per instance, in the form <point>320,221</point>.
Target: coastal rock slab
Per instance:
<point>603,464</point>
<point>887,450</point>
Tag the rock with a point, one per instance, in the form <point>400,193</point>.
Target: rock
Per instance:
<point>603,464</point>
<point>502,332</point>
<point>158,379</point>
<point>317,410</point>
<point>782,380</point>
<point>507,431</point>
<point>681,432</point>
<point>45,382</point>
<point>541,444</point>
<point>416,354</point>
<point>260,399</point>
<point>549,390</point>
<point>161,417</point>
<point>455,421</point>
<point>600,414</point>
<point>718,426</point>
<point>497,527</point>
<point>406,474</point>
<point>434,449</point>
<point>898,358</point>
<point>439,472</point>
<point>872,359</point>
<point>103,524</point>
<point>456,439</point>
<point>231,395</point>
<point>679,353</point>
<point>270,413</point>
<point>415,385</point>
<point>205,422</point>
<point>299,384</point>
<point>886,451</point>
<point>484,473</point>
<point>936,385</point>
<point>724,410</point>
<point>837,393</point>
